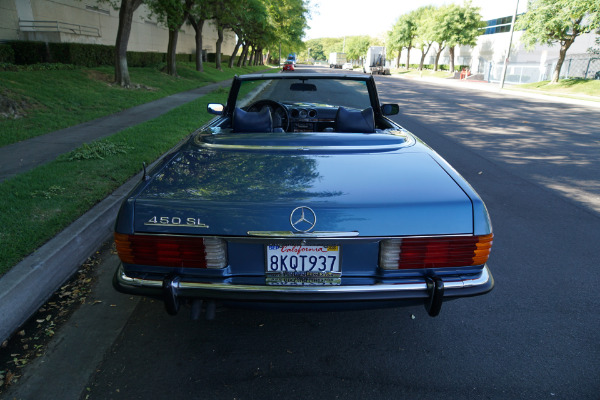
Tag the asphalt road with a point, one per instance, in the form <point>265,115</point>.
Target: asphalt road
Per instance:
<point>537,167</point>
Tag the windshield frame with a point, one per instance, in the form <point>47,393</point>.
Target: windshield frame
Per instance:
<point>238,80</point>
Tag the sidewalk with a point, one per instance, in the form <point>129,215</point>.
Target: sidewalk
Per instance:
<point>495,88</point>
<point>22,156</point>
<point>28,285</point>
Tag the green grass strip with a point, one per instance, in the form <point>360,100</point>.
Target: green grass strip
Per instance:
<point>584,89</point>
<point>40,203</point>
<point>57,99</point>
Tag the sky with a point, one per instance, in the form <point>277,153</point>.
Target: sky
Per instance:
<point>338,18</point>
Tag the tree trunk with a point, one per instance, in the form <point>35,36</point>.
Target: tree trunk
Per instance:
<point>173,36</point>
<point>235,50</point>
<point>128,7</point>
<point>437,58</point>
<point>398,59</point>
<point>451,49</point>
<point>218,48</point>
<point>244,56</point>
<point>251,60</point>
<point>423,55</point>
<point>408,58</point>
<point>259,58</point>
<point>172,52</point>
<point>561,59</point>
<point>198,26</point>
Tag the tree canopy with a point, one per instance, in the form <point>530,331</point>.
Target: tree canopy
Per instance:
<point>403,34</point>
<point>258,24</point>
<point>558,21</point>
<point>459,26</point>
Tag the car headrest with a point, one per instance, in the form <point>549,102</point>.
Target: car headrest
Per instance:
<point>250,122</point>
<point>355,121</point>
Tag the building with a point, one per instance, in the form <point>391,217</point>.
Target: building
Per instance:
<point>486,59</point>
<point>91,21</point>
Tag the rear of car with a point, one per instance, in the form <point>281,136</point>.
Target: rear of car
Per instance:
<point>304,219</point>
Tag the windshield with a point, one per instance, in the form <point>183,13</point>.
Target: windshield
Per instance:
<point>332,92</point>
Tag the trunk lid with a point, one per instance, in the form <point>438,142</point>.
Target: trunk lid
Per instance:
<point>219,191</point>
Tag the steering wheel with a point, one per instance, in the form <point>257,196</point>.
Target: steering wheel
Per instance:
<point>280,114</point>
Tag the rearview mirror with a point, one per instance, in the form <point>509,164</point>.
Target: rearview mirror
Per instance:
<point>215,108</point>
<point>303,87</point>
<point>390,109</point>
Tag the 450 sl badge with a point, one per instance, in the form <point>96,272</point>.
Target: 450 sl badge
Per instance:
<point>176,221</point>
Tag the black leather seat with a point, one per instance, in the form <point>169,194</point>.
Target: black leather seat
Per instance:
<point>355,121</point>
<point>250,122</point>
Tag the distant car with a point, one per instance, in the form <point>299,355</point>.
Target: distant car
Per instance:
<point>303,195</point>
<point>347,66</point>
<point>288,66</point>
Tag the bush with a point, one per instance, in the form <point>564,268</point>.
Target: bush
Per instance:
<point>141,59</point>
<point>90,55</point>
<point>212,57</point>
<point>7,54</point>
<point>86,55</point>
<point>29,52</point>
<point>184,58</point>
<point>8,67</point>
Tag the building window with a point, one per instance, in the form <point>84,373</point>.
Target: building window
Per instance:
<point>498,25</point>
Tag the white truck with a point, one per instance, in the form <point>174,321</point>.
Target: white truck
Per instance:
<point>375,61</point>
<point>336,60</point>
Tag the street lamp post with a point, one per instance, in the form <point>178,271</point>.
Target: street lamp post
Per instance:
<point>512,29</point>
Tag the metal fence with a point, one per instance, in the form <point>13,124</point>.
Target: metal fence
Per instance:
<point>515,73</point>
<point>576,66</point>
<point>58,26</point>
<point>584,66</point>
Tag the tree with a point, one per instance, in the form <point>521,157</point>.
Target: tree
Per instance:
<point>394,42</point>
<point>403,34</point>
<point>425,22</point>
<point>461,26</point>
<point>223,15</point>
<point>439,35</point>
<point>172,14</point>
<point>314,50</point>
<point>126,11</point>
<point>199,12</point>
<point>288,21</point>
<point>558,21</point>
<point>357,46</point>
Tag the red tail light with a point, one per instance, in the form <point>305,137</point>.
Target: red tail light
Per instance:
<point>435,252</point>
<point>172,251</point>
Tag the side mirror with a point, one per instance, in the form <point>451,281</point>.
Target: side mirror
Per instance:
<point>390,109</point>
<point>215,108</point>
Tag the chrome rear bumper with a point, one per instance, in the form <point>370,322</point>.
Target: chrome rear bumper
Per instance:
<point>431,289</point>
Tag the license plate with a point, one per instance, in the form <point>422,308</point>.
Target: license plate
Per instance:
<point>303,265</point>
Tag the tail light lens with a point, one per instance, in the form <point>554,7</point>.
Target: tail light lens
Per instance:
<point>172,251</point>
<point>435,252</point>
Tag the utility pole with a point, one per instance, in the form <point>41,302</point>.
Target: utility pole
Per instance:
<point>512,29</point>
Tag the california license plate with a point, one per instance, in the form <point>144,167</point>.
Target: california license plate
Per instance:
<point>303,265</point>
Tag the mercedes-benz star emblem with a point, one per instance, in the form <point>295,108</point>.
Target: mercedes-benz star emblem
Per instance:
<point>303,219</point>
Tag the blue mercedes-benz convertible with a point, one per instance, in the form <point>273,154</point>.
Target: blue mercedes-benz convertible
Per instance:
<point>302,195</point>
